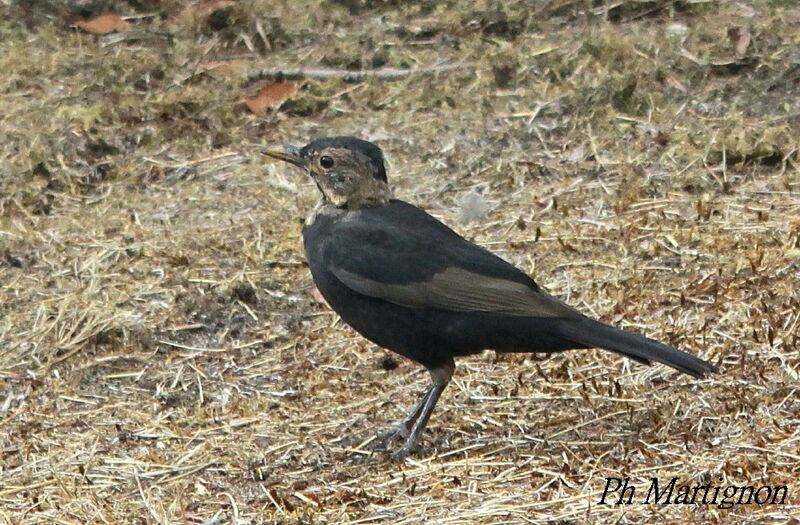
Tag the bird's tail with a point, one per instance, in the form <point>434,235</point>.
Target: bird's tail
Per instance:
<point>637,347</point>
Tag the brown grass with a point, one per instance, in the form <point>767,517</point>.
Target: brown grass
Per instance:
<point>162,359</point>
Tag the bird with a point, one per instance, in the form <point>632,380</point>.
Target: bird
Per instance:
<point>409,283</point>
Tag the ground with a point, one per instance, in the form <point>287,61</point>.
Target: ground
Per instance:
<point>163,355</point>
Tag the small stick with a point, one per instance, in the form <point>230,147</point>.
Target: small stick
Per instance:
<point>386,73</point>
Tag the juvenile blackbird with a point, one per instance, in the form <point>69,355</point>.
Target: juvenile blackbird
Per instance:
<point>407,282</point>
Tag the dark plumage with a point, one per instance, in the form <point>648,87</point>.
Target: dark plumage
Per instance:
<point>409,283</point>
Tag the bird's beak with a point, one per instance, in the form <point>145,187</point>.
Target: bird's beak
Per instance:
<point>290,154</point>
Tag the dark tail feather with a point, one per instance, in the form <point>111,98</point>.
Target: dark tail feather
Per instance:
<point>637,347</point>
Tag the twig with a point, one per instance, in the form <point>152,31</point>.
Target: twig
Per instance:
<point>146,502</point>
<point>386,73</point>
<point>13,490</point>
<point>233,506</point>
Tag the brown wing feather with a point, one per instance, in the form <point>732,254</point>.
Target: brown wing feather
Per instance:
<point>464,291</point>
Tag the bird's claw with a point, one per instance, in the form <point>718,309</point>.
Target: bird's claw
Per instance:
<point>398,432</point>
<point>402,453</point>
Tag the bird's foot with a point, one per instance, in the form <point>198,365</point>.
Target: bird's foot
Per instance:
<point>403,452</point>
<point>401,431</point>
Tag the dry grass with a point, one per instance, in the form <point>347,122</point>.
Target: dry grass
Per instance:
<point>162,359</point>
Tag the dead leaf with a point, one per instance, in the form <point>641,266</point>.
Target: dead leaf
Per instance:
<point>272,96</point>
<point>103,24</point>
<point>225,67</point>
<point>740,38</point>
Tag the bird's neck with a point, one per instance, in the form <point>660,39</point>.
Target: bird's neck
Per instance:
<point>377,193</point>
<point>323,208</point>
<point>369,194</point>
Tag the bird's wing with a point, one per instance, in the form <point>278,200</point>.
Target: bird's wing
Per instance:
<point>460,290</point>
<point>403,255</point>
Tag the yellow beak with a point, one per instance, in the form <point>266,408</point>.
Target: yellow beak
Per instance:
<point>290,154</point>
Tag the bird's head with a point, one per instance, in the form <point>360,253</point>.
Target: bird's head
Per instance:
<point>348,171</point>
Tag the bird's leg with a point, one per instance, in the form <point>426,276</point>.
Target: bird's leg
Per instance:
<point>403,429</point>
<point>441,377</point>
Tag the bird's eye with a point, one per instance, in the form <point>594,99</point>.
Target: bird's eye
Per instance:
<point>326,162</point>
